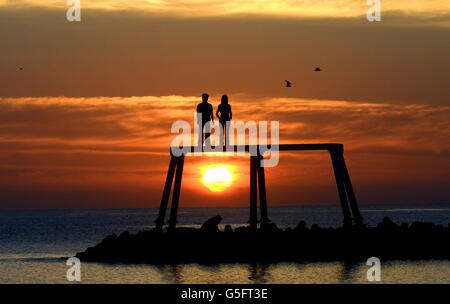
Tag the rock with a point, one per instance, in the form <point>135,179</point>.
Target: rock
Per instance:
<point>186,230</point>
<point>422,227</point>
<point>387,224</point>
<point>244,244</point>
<point>315,228</point>
<point>228,229</point>
<point>124,235</point>
<point>270,227</point>
<point>242,229</point>
<point>301,227</point>
<point>404,227</point>
<point>109,239</point>
<point>211,225</point>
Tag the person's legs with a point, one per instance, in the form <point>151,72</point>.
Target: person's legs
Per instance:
<point>200,135</point>
<point>227,133</point>
<point>207,127</point>
<point>221,134</point>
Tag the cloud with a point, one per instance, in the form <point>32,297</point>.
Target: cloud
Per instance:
<point>293,8</point>
<point>81,144</point>
<point>403,59</point>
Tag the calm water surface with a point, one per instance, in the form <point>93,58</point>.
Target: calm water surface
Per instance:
<point>33,242</point>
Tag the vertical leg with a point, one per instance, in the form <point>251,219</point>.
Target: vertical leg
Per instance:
<point>227,133</point>
<point>253,194</point>
<point>207,127</point>
<point>200,135</point>
<point>341,188</point>
<point>350,192</point>
<point>166,193</point>
<point>176,193</point>
<point>222,127</point>
<point>262,192</point>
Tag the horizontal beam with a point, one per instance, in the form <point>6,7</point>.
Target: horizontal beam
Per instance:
<point>263,148</point>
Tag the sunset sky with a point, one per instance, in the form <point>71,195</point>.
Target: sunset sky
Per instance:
<point>86,122</point>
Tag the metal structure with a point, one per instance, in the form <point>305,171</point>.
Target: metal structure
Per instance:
<point>257,181</point>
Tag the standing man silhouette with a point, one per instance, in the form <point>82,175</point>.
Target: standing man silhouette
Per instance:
<point>224,110</point>
<point>204,115</point>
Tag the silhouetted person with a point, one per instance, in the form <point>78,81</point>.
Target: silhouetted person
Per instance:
<point>206,110</point>
<point>224,110</point>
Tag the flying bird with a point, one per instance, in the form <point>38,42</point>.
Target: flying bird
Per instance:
<point>288,84</point>
<point>317,70</point>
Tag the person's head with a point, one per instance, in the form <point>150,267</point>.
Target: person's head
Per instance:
<point>224,99</point>
<point>205,97</point>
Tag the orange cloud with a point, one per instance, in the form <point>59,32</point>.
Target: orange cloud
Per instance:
<point>307,8</point>
<point>78,149</point>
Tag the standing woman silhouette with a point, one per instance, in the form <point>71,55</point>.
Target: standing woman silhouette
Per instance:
<point>224,110</point>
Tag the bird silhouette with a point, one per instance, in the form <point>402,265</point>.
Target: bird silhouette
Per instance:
<point>20,69</point>
<point>317,70</point>
<point>288,84</point>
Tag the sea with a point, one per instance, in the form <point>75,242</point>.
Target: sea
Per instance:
<point>35,246</point>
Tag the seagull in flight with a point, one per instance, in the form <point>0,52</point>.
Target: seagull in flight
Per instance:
<point>288,84</point>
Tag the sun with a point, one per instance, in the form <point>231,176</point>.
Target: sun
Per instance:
<point>217,179</point>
